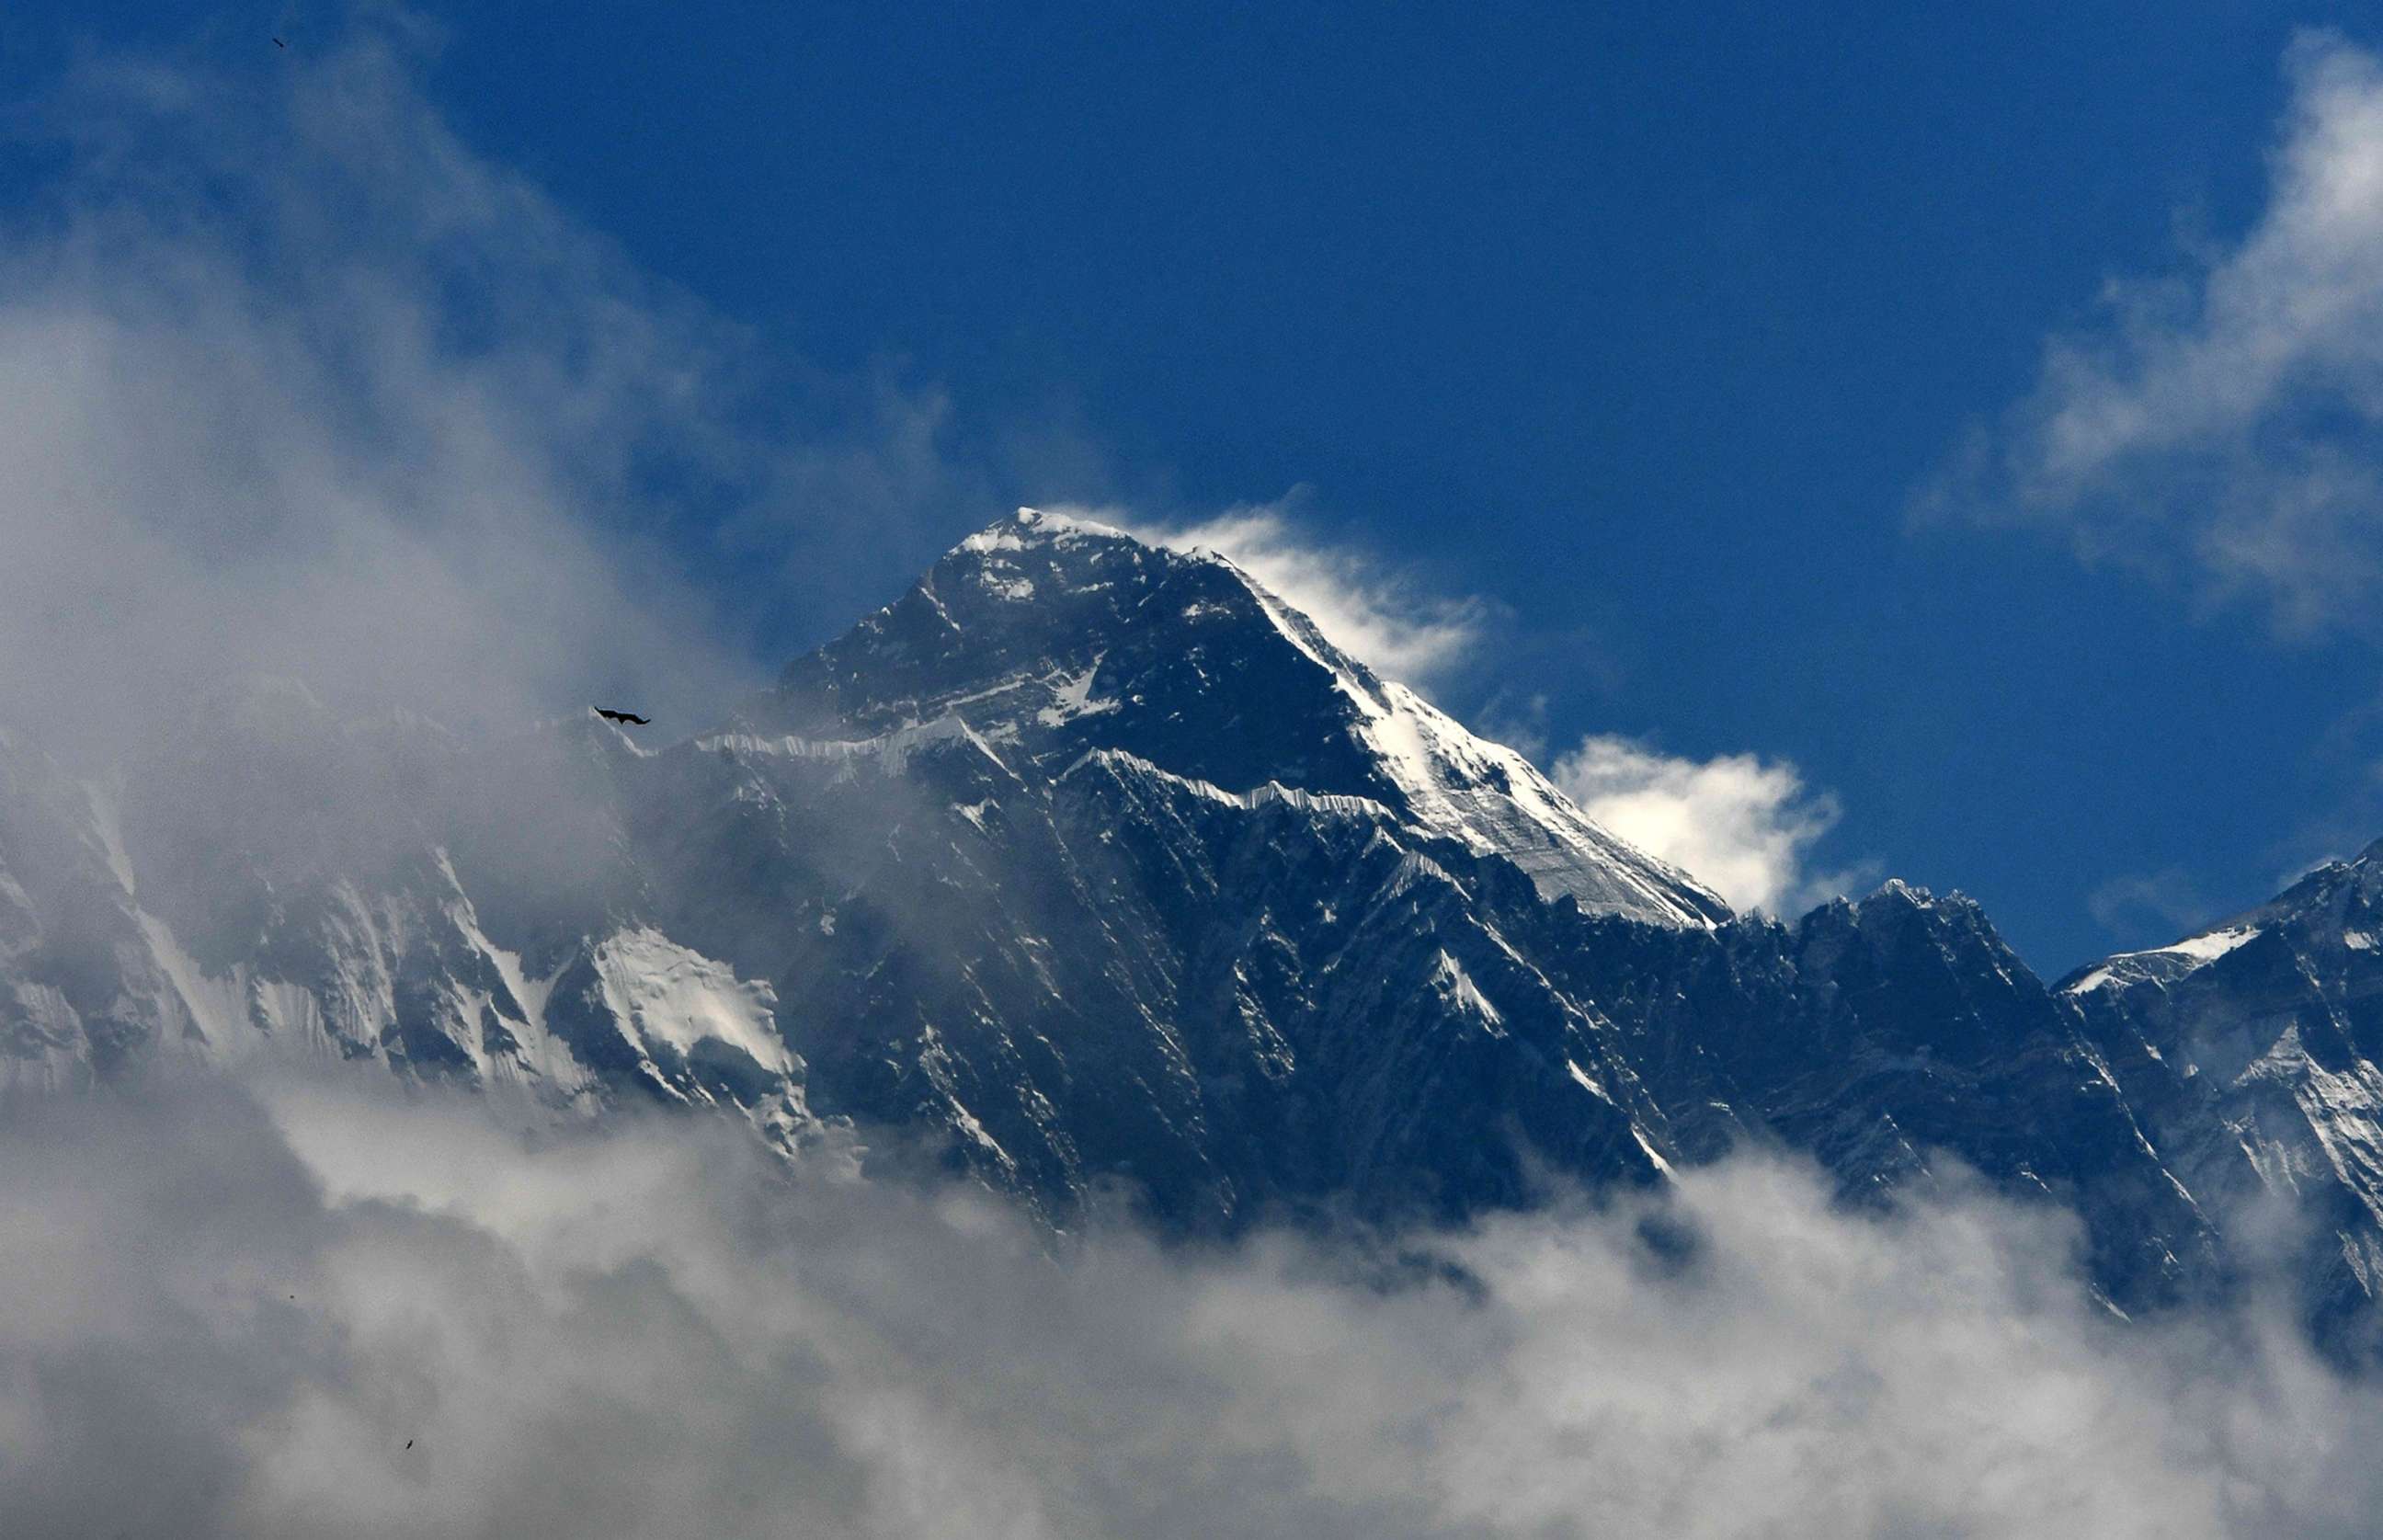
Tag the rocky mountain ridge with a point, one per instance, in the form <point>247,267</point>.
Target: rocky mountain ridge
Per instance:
<point>1100,868</point>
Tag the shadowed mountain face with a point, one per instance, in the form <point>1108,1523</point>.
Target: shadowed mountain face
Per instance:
<point>2250,1051</point>
<point>1096,865</point>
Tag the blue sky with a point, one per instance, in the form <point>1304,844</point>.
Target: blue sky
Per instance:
<point>1716,371</point>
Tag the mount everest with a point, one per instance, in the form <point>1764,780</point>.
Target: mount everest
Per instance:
<point>1097,870</point>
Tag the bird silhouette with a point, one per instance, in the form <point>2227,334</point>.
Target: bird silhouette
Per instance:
<point>409,1443</point>
<point>279,43</point>
<point>621,716</point>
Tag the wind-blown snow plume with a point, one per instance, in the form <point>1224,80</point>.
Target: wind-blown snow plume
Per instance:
<point>1378,613</point>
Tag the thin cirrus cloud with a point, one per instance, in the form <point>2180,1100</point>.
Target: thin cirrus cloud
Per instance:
<point>1743,825</point>
<point>239,1322</point>
<point>2221,424</point>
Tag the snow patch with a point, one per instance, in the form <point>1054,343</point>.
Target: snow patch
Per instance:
<point>1493,800</point>
<point>1071,697</point>
<point>1661,1163</point>
<point>669,994</point>
<point>1456,987</point>
<point>2092,982</point>
<point>891,750</point>
<point>1032,525</point>
<point>2215,944</point>
<point>1334,803</point>
<point>2195,952</point>
<point>107,822</point>
<point>213,1007</point>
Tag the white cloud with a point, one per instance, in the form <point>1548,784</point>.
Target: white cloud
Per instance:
<point>2224,421</point>
<point>228,1316</point>
<point>297,384</point>
<point>1741,825</point>
<point>1384,616</point>
<point>370,411</point>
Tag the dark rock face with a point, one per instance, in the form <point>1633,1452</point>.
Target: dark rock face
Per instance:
<point>2250,1051</point>
<point>1100,867</point>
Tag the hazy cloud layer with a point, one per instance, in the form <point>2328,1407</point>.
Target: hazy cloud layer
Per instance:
<point>2224,422</point>
<point>229,1319</point>
<point>1743,825</point>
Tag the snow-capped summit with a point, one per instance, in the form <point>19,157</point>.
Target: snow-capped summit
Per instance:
<point>1053,637</point>
<point>2251,1051</point>
<point>2329,919</point>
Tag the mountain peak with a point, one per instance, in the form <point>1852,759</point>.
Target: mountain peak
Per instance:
<point>1053,637</point>
<point>2332,911</point>
<point>1032,525</point>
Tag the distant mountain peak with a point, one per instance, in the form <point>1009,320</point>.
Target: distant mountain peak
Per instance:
<point>2333,909</point>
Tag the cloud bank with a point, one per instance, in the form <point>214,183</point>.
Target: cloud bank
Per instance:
<point>1741,825</point>
<point>2222,423</point>
<point>231,1311</point>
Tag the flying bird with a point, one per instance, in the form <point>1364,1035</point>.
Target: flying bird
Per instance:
<point>409,1443</point>
<point>279,43</point>
<point>629,717</point>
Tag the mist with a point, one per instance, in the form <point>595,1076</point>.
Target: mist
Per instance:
<point>303,388</point>
<point>231,1309</point>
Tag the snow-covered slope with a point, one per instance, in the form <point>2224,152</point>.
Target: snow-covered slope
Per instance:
<point>385,964</point>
